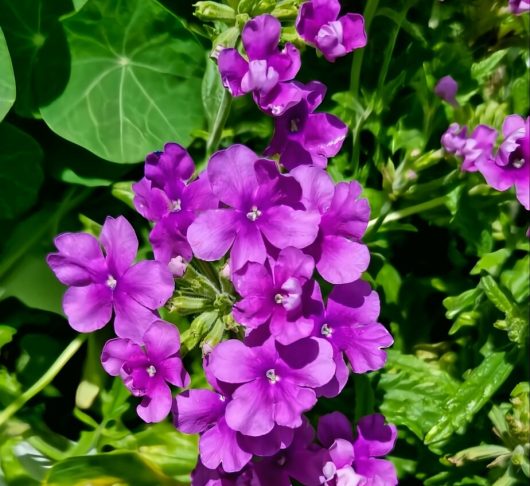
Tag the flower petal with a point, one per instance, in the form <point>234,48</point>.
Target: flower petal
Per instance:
<point>115,353</point>
<point>161,340</point>
<point>334,426</point>
<point>131,318</point>
<point>195,410</point>
<point>248,246</point>
<point>156,406</point>
<point>232,68</point>
<point>353,303</point>
<point>261,36</point>
<point>233,362</point>
<point>374,437</point>
<point>88,308</point>
<point>317,187</point>
<point>120,243</point>
<point>354,35</point>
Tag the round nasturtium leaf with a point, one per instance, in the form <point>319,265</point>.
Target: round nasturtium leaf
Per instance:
<point>135,80</point>
<point>7,79</point>
<point>20,171</point>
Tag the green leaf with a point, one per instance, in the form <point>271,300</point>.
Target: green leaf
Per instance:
<point>497,296</point>
<point>471,396</point>
<point>124,468</point>
<point>390,280</point>
<point>6,334</point>
<point>20,171</point>
<point>7,78</point>
<point>491,262</point>
<point>212,92</point>
<point>135,81</point>
<point>37,47</point>
<point>415,392</point>
<point>516,280</point>
<point>483,69</point>
<point>459,303</point>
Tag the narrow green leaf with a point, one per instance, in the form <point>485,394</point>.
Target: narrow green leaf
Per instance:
<point>497,296</point>
<point>7,78</point>
<point>491,262</point>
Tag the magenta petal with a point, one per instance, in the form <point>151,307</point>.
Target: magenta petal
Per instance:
<point>248,247</point>
<point>219,446</point>
<point>511,124</point>
<point>232,176</point>
<point>320,369</point>
<point>324,134</point>
<point>150,283</point>
<point>337,383</point>
<point>269,444</point>
<point>162,340</point>
<point>522,188</point>
<point>131,318</point>
<point>376,471</point>
<point>152,203</point>
<point>120,243</point>
<point>174,372</point>
<point>374,437</point>
<point>313,14</point>
<point>365,351</point>
<point>341,452</point>
<point>88,308</point>
<point>317,187</point>
<point>284,226</point>
<point>170,166</point>
<point>232,361</point>
<point>334,426</point>
<point>251,409</point>
<point>212,233</point>
<point>341,260</point>
<point>292,262</point>
<point>287,331</point>
<point>353,303</point>
<point>496,176</point>
<point>195,410</point>
<point>286,63</point>
<point>354,35</point>
<point>79,261</point>
<point>279,99</point>
<point>261,36</point>
<point>232,68</point>
<point>115,353</point>
<point>291,402</point>
<point>156,406</point>
<point>198,195</point>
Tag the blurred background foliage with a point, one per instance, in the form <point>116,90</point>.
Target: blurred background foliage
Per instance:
<point>88,87</point>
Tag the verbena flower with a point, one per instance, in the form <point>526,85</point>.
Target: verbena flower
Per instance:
<point>266,67</point>
<point>102,282</point>
<point>276,293</point>
<point>319,24</point>
<point>339,255</point>
<point>446,88</point>
<point>146,370</point>
<point>304,137</point>
<point>519,6</point>
<point>511,166</point>
<point>473,149</point>
<point>258,208</point>
<point>349,323</point>
<point>166,197</point>
<point>355,461</point>
<point>276,383</point>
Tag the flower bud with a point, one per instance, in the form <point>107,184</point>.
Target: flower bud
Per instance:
<point>184,305</point>
<point>214,11</point>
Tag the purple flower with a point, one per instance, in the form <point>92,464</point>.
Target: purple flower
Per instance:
<point>519,6</point>
<point>147,370</point>
<point>349,323</point>
<point>318,25</point>
<point>276,294</point>
<point>477,147</point>
<point>266,67</point>
<point>258,207</point>
<point>100,283</point>
<point>511,166</point>
<point>354,460</point>
<point>446,88</point>
<point>276,382</point>
<point>165,197</point>
<point>301,461</point>
<point>304,137</point>
<point>339,255</point>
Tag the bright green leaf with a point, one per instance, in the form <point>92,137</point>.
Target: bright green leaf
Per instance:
<point>134,82</point>
<point>491,262</point>
<point>7,78</point>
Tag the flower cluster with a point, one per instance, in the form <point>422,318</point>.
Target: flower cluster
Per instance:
<point>248,243</point>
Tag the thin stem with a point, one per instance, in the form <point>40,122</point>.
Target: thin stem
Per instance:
<point>219,124</point>
<point>44,380</point>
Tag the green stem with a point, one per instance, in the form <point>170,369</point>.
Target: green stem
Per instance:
<point>219,124</point>
<point>403,213</point>
<point>44,380</point>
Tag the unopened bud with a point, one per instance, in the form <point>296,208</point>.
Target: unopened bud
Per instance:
<point>214,11</point>
<point>184,305</point>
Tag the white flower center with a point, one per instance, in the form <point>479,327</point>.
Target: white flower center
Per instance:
<point>294,125</point>
<point>272,376</point>
<point>518,163</point>
<point>278,298</point>
<point>175,206</point>
<point>254,213</point>
<point>111,282</point>
<point>151,370</point>
<point>325,330</point>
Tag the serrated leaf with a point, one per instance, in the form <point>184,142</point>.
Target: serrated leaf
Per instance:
<point>470,396</point>
<point>134,82</point>
<point>7,78</point>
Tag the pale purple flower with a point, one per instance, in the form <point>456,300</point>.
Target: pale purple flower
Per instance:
<point>146,370</point>
<point>99,283</point>
<point>276,293</point>
<point>354,461</point>
<point>276,382</point>
<point>319,24</point>
<point>446,88</point>
<point>304,137</point>
<point>349,323</point>
<point>339,255</point>
<point>267,67</point>
<point>511,166</point>
<point>519,6</point>
<point>258,207</point>
<point>166,197</point>
<point>473,149</point>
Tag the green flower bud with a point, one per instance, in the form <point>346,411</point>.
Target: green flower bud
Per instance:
<point>214,11</point>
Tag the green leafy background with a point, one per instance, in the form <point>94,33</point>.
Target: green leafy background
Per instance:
<point>88,87</point>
